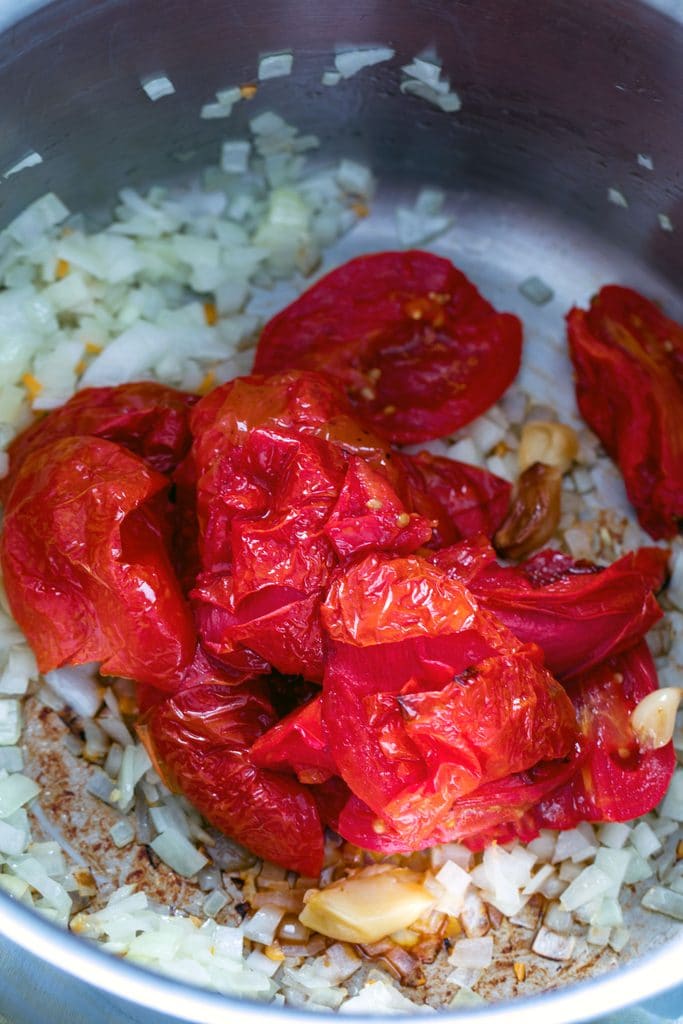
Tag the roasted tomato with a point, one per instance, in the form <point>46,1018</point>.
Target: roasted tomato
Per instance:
<point>200,738</point>
<point>616,780</point>
<point>148,419</point>
<point>460,500</point>
<point>297,745</point>
<point>495,812</point>
<point>426,697</point>
<point>84,553</point>
<point>418,350</point>
<point>289,486</point>
<point>628,362</point>
<point>579,614</point>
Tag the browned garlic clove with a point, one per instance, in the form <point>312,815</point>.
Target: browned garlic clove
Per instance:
<point>533,514</point>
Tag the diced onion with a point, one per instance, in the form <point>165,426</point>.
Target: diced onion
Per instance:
<point>178,852</point>
<point>30,160</point>
<point>591,883</point>
<point>263,926</point>
<point>645,840</point>
<point>664,901</point>
<point>379,996</point>
<point>214,903</point>
<point>10,721</point>
<point>275,65</point>
<point>122,832</point>
<point>536,290</point>
<point>351,62</point>
<point>553,946</point>
<point>616,197</point>
<point>157,87</point>
<point>77,685</point>
<point>473,952</point>
<point>672,804</point>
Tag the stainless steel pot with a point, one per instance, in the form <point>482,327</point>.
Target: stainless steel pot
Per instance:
<point>558,98</point>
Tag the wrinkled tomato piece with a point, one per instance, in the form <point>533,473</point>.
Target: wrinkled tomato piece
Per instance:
<point>616,780</point>
<point>200,740</point>
<point>370,516</point>
<point>495,812</point>
<point>418,350</point>
<point>628,363</point>
<point>297,745</point>
<point>460,500</point>
<point>276,626</point>
<point>84,553</point>
<point>289,486</point>
<point>426,697</point>
<point>579,614</point>
<point>148,419</point>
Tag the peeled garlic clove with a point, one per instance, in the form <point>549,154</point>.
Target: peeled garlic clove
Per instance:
<point>553,444</point>
<point>653,720</point>
<point>366,907</point>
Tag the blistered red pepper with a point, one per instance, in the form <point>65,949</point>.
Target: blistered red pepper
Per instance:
<point>418,350</point>
<point>628,362</point>
<point>84,553</point>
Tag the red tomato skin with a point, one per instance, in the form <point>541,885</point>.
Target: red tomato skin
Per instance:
<point>462,501</point>
<point>84,553</point>
<point>276,626</point>
<point>444,355</point>
<point>297,745</point>
<point>628,362</point>
<point>579,614</point>
<point>289,486</point>
<point>146,418</point>
<point>200,739</point>
<point>615,780</point>
<point>370,516</point>
<point>495,812</point>
<point>412,664</point>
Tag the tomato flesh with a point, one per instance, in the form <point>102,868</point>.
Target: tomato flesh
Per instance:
<point>84,553</point>
<point>418,350</point>
<point>200,739</point>
<point>628,362</point>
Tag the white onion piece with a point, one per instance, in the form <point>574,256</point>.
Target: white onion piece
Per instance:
<point>351,62</point>
<point>178,852</point>
<point>78,687</point>
<point>275,65</point>
<point>157,87</point>
<point>263,926</point>
<point>10,722</point>
<point>476,953</point>
<point>553,946</point>
<point>591,883</point>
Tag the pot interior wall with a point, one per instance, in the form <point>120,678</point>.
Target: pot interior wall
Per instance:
<point>558,99</point>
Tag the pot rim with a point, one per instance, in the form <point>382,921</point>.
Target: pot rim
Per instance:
<point>82,959</point>
<point>645,976</point>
